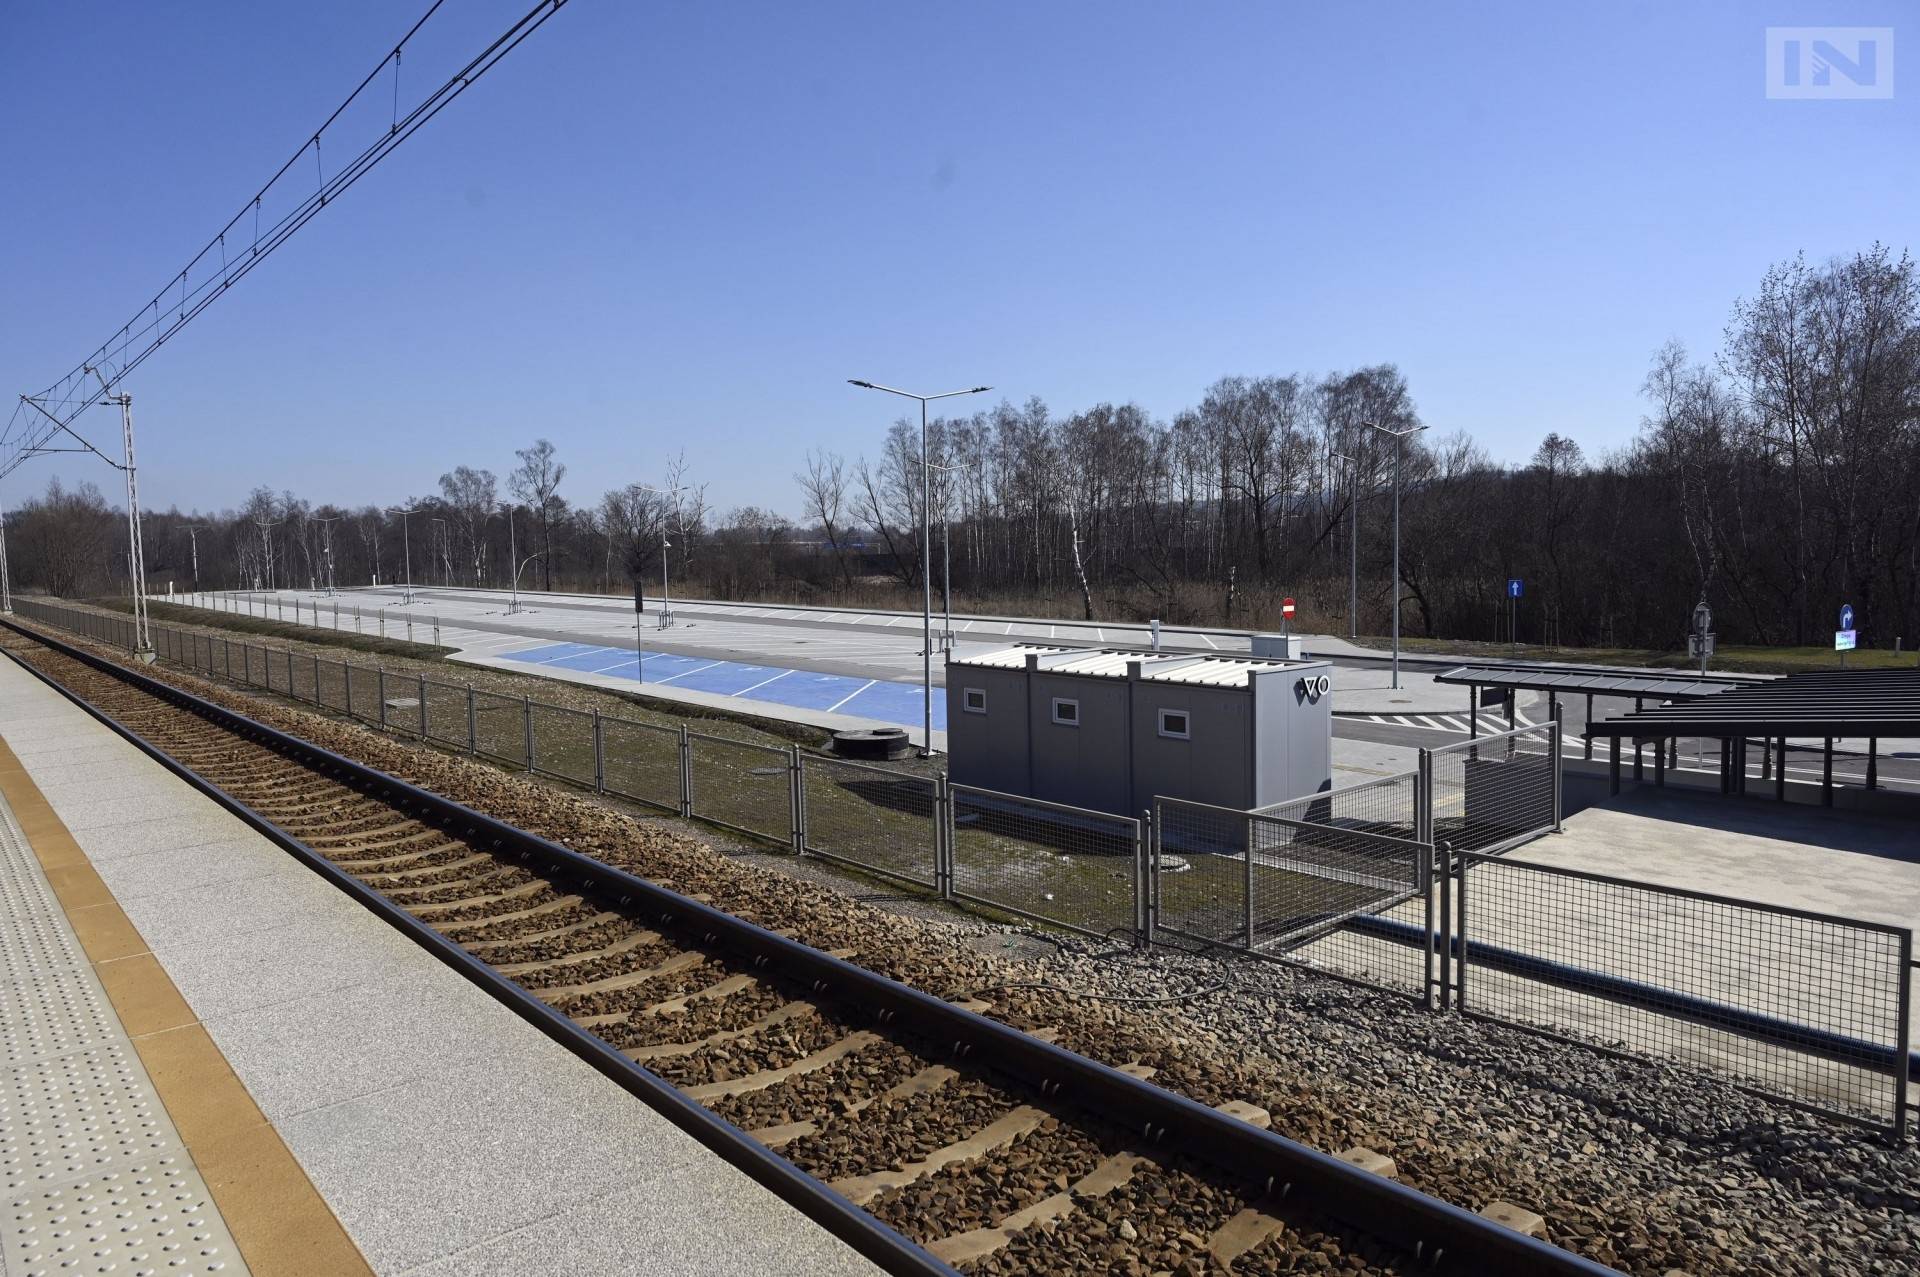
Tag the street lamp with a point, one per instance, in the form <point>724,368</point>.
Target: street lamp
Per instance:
<point>666,600</point>
<point>1399,438</point>
<point>406,545</point>
<point>326,547</point>
<point>1353,540</point>
<point>515,561</point>
<point>926,547</point>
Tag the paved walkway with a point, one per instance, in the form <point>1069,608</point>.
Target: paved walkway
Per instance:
<point>446,1134</point>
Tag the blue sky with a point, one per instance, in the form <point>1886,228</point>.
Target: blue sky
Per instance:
<point>669,226</point>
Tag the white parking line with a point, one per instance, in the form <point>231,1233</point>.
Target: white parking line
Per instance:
<point>850,695</point>
<point>763,682</point>
<point>683,673</point>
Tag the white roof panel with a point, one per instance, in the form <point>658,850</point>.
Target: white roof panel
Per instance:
<point>1007,658</point>
<point>1164,667</point>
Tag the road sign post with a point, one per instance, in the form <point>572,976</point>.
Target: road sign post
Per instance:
<point>1700,642</point>
<point>1286,616</point>
<point>1515,586</point>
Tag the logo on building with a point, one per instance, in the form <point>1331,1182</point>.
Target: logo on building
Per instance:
<point>1829,62</point>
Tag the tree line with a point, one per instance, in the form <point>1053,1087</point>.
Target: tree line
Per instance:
<point>1776,479</point>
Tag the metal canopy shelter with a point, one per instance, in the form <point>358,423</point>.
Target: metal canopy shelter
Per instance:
<point>1826,706</point>
<point>1590,682</point>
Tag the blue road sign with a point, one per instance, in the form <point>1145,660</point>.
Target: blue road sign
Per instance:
<point>1846,616</point>
<point>1513,588</point>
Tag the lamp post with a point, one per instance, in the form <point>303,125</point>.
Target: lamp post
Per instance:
<point>326,547</point>
<point>926,548</point>
<point>1399,439</point>
<point>1353,544</point>
<point>666,599</point>
<point>193,546</point>
<point>406,544</point>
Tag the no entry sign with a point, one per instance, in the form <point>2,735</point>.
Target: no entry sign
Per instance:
<point>1286,607</point>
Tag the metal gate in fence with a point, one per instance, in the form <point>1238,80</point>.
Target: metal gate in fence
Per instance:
<point>1064,865</point>
<point>873,818</point>
<point>1494,792</point>
<point>1290,889</point>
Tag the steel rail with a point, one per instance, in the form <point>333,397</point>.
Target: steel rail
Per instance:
<point>1443,1237</point>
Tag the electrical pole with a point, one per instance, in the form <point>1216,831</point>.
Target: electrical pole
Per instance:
<point>6,586</point>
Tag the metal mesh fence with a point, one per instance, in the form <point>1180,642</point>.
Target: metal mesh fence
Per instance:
<point>744,787</point>
<point>878,819</point>
<point>641,762</point>
<point>1065,865</point>
<point>333,685</point>
<point>363,693</point>
<point>1806,1007</point>
<point>562,743</point>
<point>1496,791</point>
<point>304,676</point>
<point>1262,882</point>
<point>500,728</point>
<point>447,714</point>
<point>1388,806</point>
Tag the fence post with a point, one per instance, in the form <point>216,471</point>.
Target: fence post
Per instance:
<point>1423,798</point>
<point>1555,740</point>
<point>473,739</point>
<point>1249,884</point>
<point>381,671</point>
<point>423,707</point>
<point>943,836</point>
<point>686,774</point>
<point>1142,844</point>
<point>1426,890</point>
<point>318,699</point>
<point>599,756</point>
<point>1460,976</point>
<point>1901,1039</point>
<point>526,720</point>
<point>794,801</point>
<point>1154,848</point>
<point>1443,865</point>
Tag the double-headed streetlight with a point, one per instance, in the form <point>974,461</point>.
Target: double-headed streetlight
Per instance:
<point>926,546</point>
<point>1353,544</point>
<point>406,543</point>
<point>1399,438</point>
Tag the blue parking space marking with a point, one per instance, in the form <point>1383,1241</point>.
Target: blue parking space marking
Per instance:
<point>876,699</point>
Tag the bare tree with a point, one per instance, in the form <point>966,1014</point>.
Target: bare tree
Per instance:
<point>536,481</point>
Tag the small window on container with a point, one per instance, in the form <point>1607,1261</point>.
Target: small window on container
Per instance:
<point>974,700</point>
<point>1175,724</point>
<point>1066,712</point>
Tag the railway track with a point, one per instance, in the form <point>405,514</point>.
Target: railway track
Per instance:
<point>928,1136</point>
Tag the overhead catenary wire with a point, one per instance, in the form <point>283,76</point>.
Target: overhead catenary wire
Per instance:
<point>180,301</point>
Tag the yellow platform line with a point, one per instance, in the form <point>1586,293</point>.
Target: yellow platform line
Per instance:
<point>277,1218</point>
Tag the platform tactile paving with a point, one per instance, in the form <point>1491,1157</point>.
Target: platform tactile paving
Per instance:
<point>93,1178</point>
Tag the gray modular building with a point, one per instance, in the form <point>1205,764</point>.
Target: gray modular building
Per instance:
<point>1112,729</point>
